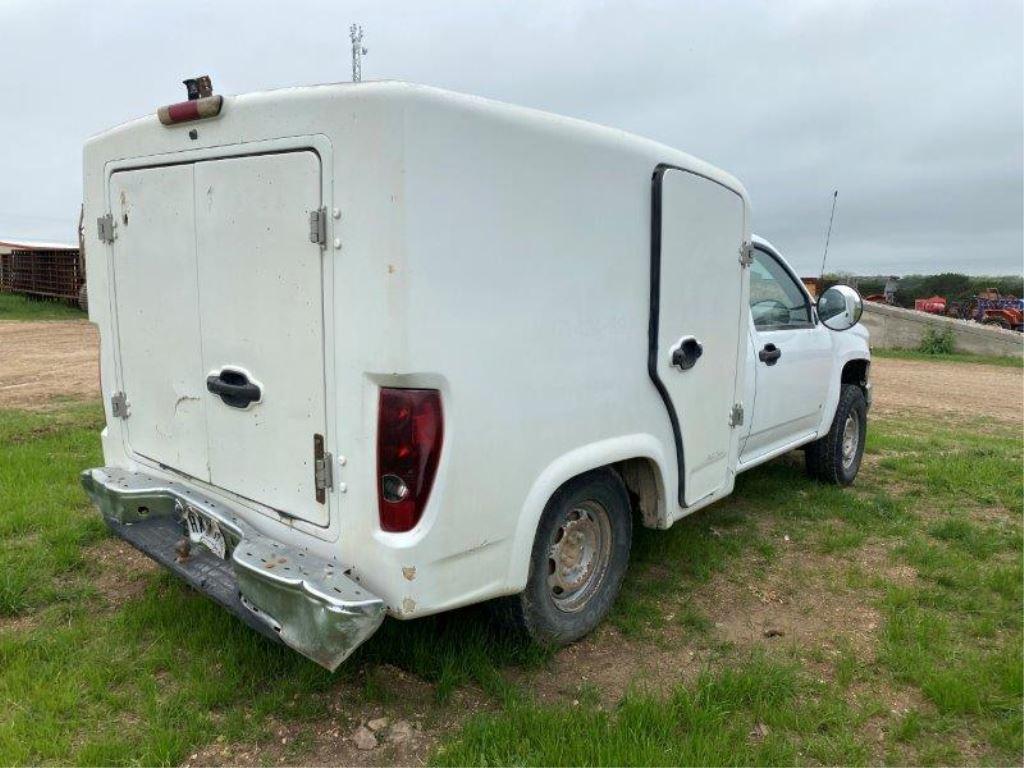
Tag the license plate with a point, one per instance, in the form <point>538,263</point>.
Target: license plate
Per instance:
<point>203,530</point>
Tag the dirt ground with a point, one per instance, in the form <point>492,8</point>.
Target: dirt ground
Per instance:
<point>45,361</point>
<point>959,389</point>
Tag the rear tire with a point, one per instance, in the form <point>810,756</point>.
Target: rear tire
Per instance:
<point>579,558</point>
<point>835,458</point>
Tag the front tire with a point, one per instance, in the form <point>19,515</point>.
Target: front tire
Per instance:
<point>835,458</point>
<point>579,558</point>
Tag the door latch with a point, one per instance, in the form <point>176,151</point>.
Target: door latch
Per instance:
<point>686,353</point>
<point>769,355</point>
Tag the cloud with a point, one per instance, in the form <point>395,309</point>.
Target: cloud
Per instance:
<point>913,110</point>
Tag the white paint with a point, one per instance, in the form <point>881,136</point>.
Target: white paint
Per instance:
<point>790,395</point>
<point>497,254</point>
<point>703,229</point>
<point>215,272</point>
<point>262,311</point>
<point>154,269</point>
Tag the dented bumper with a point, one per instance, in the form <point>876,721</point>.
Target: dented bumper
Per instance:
<point>306,602</point>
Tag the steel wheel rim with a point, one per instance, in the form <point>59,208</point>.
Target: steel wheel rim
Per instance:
<point>578,555</point>
<point>851,439</point>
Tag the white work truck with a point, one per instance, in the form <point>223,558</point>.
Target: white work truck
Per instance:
<point>380,349</point>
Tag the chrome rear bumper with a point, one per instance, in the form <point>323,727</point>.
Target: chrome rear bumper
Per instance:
<point>306,602</point>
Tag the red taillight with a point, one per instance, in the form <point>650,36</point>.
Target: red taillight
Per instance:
<point>193,109</point>
<point>410,430</point>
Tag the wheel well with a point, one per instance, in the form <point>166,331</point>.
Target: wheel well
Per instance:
<point>643,481</point>
<point>856,372</point>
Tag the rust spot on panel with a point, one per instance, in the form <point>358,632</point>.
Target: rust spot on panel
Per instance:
<point>391,269</point>
<point>408,605</point>
<point>409,572</point>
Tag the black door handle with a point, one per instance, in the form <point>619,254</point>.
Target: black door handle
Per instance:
<point>687,353</point>
<point>234,388</point>
<point>770,354</point>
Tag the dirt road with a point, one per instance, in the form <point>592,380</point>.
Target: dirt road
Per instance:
<point>957,389</point>
<point>44,361</point>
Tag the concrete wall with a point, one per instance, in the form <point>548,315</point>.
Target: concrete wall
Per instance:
<point>895,327</point>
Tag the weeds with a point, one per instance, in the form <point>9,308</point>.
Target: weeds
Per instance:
<point>938,342</point>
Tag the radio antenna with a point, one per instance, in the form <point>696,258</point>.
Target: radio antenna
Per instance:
<point>355,32</point>
<point>835,197</point>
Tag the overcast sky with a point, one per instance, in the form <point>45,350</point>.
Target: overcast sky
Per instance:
<point>913,110</point>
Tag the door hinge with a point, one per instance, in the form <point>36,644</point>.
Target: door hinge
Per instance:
<point>323,471</point>
<point>119,405</point>
<point>105,228</point>
<point>318,227</point>
<point>746,254</point>
<point>736,415</point>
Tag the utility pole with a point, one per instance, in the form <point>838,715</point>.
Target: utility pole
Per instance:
<point>835,197</point>
<point>355,32</point>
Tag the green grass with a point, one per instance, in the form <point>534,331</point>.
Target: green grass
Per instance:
<point>153,679</point>
<point>17,307</point>
<point>710,722</point>
<point>952,638</point>
<point>955,357</point>
<point>44,524</point>
<point>162,674</point>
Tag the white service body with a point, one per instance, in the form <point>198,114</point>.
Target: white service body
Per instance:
<point>508,258</point>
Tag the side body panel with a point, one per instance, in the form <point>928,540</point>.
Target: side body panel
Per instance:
<point>700,298</point>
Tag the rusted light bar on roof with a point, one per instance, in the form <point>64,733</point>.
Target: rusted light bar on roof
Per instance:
<point>201,103</point>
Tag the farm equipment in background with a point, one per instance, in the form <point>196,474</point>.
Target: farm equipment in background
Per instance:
<point>936,305</point>
<point>888,295</point>
<point>990,308</point>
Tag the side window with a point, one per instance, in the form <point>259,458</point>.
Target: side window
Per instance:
<point>776,300</point>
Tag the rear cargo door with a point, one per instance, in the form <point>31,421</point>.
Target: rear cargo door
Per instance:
<point>156,291</point>
<point>219,298</point>
<point>261,309</point>
<point>701,311</point>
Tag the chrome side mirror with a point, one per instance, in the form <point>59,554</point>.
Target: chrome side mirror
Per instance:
<point>840,307</point>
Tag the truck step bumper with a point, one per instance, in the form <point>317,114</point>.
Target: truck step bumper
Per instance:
<point>306,602</point>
